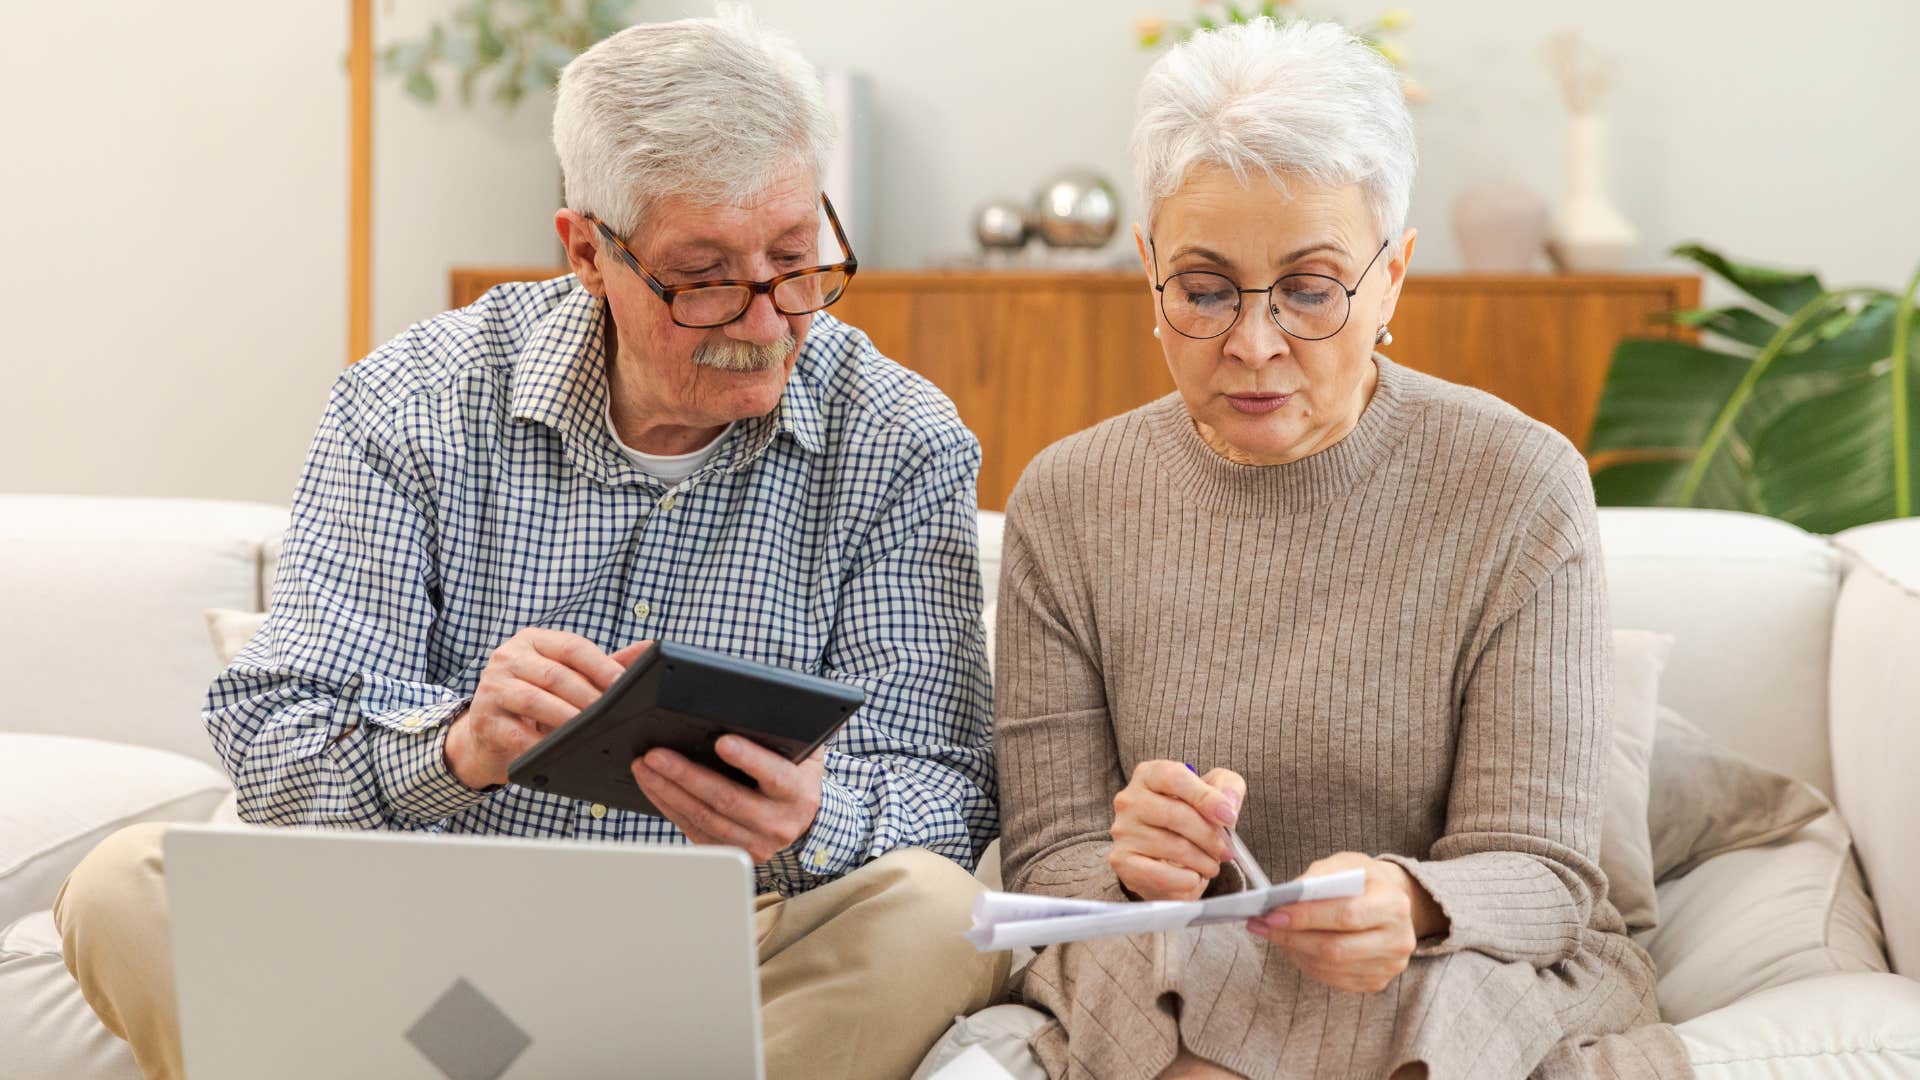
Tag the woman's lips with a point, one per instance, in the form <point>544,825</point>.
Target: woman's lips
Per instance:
<point>1257,404</point>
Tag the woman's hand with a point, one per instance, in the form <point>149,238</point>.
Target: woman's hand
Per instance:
<point>1360,943</point>
<point>1169,829</point>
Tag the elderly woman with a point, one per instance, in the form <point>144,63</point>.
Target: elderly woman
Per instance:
<point>1351,610</point>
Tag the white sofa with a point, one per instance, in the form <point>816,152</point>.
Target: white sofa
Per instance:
<point>1801,652</point>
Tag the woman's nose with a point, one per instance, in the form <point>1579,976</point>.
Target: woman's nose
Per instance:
<point>1256,339</point>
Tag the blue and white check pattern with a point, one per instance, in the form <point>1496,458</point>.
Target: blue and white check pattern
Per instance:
<point>463,485</point>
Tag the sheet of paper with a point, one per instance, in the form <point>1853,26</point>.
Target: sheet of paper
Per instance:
<point>1014,920</point>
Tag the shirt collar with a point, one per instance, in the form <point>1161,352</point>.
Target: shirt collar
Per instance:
<point>560,380</point>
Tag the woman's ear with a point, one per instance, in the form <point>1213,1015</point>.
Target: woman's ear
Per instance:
<point>577,239</point>
<point>1398,258</point>
<point>1146,261</point>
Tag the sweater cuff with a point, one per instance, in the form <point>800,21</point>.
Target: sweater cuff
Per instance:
<point>1505,904</point>
<point>1078,872</point>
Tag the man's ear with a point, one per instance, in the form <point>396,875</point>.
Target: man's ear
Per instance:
<point>582,248</point>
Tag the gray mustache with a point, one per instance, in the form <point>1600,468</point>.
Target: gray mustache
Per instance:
<point>730,355</point>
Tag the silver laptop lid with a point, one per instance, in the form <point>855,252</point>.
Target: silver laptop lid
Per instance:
<point>327,953</point>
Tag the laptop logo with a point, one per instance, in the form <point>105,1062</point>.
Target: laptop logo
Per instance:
<point>466,1036</point>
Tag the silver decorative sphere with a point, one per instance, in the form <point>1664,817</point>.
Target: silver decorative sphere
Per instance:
<point>1002,223</point>
<point>1077,208</point>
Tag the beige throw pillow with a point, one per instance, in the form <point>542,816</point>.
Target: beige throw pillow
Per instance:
<point>1707,800</point>
<point>1626,850</point>
<point>231,630</point>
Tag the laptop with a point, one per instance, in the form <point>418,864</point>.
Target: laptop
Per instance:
<point>322,953</point>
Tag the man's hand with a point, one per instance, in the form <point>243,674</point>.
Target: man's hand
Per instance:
<point>1169,829</point>
<point>712,809</point>
<point>1359,943</point>
<point>533,683</point>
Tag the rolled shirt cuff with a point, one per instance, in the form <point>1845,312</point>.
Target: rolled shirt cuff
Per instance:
<point>838,843</point>
<point>410,759</point>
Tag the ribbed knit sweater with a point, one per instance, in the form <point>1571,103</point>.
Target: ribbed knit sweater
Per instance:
<point>1401,642</point>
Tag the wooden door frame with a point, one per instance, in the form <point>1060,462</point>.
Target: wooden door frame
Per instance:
<point>360,182</point>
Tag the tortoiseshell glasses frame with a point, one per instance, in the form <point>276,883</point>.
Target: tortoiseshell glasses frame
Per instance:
<point>703,305</point>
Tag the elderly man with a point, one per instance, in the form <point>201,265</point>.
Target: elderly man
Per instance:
<point>505,503</point>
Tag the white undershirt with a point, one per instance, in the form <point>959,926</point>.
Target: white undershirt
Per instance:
<point>669,469</point>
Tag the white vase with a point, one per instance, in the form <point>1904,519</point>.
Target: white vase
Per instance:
<point>1590,234</point>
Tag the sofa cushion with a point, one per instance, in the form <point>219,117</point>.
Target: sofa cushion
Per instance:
<point>1749,602</point>
<point>64,795</point>
<point>1748,920</point>
<point>1626,851</point>
<point>1000,1032</point>
<point>1876,721</point>
<point>103,599</point>
<point>1706,800</point>
<point>47,1029</point>
<point>1836,1027</point>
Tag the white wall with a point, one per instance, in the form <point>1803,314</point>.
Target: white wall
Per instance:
<point>175,191</point>
<point>453,185</point>
<point>171,209</point>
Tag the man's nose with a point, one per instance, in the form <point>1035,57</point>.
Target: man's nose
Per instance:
<point>760,324</point>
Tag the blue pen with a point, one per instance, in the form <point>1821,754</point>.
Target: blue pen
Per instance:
<point>1242,857</point>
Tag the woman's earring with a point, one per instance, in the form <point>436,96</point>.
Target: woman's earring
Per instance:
<point>1383,336</point>
<point>1156,331</point>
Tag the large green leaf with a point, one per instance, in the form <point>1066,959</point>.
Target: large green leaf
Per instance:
<point>1663,394</point>
<point>1727,483</point>
<point>1814,426</point>
<point>1850,340</point>
<point>1652,482</point>
<point>1737,324</point>
<point>1785,291</point>
<point>1826,464</point>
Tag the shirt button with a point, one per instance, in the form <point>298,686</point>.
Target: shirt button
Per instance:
<point>642,609</point>
<point>819,858</point>
<point>597,810</point>
<point>667,503</point>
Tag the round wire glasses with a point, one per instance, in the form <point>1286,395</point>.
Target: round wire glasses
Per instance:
<point>1311,307</point>
<point>702,305</point>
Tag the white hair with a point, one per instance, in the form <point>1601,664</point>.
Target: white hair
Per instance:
<point>1307,99</point>
<point>713,107</point>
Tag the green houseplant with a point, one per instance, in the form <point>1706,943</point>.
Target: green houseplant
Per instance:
<point>1800,403</point>
<point>521,44</point>
<point>1152,31</point>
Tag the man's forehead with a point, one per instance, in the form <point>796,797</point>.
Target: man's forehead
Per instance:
<point>683,221</point>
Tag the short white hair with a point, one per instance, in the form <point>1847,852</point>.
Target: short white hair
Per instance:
<point>1308,99</point>
<point>714,108</point>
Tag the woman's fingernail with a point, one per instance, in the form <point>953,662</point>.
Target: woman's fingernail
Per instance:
<point>1279,920</point>
<point>1229,811</point>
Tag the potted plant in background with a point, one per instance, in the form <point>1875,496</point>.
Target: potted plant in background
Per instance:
<point>1152,31</point>
<point>521,44</point>
<point>1801,404</point>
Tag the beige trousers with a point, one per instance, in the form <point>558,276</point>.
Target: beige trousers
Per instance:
<point>858,978</point>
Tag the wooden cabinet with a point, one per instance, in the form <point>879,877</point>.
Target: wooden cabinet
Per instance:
<point>1028,358</point>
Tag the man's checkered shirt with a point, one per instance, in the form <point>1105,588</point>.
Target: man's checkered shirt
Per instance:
<point>464,485</point>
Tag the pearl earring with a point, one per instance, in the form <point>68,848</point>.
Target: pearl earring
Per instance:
<point>1156,331</point>
<point>1384,336</point>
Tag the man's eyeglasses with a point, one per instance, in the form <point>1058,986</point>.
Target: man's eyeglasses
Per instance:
<point>701,305</point>
<point>1311,307</point>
